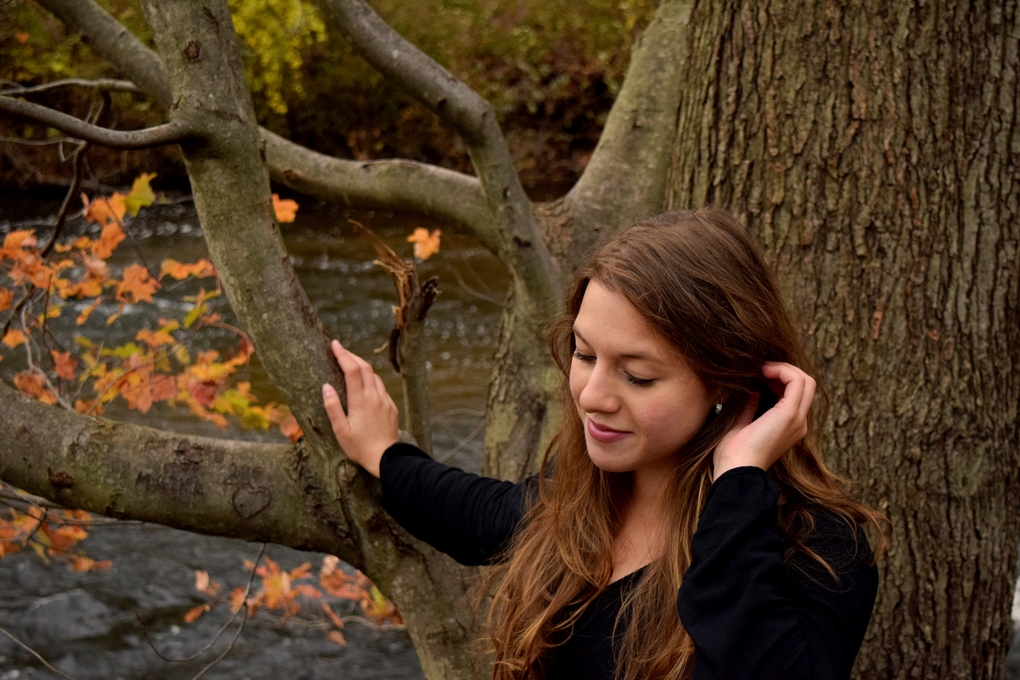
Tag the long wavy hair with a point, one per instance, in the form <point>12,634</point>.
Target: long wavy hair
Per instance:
<point>701,283</point>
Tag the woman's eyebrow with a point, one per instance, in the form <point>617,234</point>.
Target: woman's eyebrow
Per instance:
<point>638,356</point>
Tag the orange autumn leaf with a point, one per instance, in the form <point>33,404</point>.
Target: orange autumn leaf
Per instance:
<point>425,244</point>
<point>195,612</point>
<point>236,599</point>
<point>204,585</point>
<point>97,267</point>
<point>286,209</point>
<point>105,210</point>
<point>82,563</point>
<point>33,385</point>
<point>337,621</point>
<point>156,339</point>
<point>15,241</point>
<point>337,637</point>
<point>64,364</point>
<point>86,313</point>
<point>137,285</point>
<point>174,269</point>
<point>13,338</point>
<point>109,238</point>
<point>6,298</point>
<point>289,427</point>
<point>33,269</point>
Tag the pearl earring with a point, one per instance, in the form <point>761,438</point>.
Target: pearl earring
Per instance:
<point>718,409</point>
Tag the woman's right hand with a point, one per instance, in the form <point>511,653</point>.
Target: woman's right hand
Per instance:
<point>370,425</point>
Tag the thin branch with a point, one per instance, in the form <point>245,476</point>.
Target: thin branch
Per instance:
<point>72,191</point>
<point>406,186</point>
<point>104,84</point>
<point>251,580</point>
<point>36,655</point>
<point>35,369</point>
<point>522,244</point>
<point>116,44</point>
<point>40,142</point>
<point>167,133</point>
<point>401,185</point>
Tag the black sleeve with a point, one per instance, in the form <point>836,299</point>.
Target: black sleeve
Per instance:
<point>470,518</point>
<point>751,615</point>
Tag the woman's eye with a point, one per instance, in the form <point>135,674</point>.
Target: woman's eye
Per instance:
<point>641,382</point>
<point>586,358</point>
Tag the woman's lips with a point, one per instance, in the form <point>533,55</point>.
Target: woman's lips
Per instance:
<point>604,434</point>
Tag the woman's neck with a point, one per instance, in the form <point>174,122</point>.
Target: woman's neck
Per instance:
<point>640,539</point>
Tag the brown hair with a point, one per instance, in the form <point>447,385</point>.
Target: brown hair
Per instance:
<point>699,280</point>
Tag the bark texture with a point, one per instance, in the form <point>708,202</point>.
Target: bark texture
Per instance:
<point>232,196</point>
<point>872,149</point>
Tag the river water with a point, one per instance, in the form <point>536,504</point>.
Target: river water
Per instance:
<point>88,625</point>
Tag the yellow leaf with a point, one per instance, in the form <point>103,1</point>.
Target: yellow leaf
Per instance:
<point>286,209</point>
<point>13,338</point>
<point>141,194</point>
<point>425,244</point>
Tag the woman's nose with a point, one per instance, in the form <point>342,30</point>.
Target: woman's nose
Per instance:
<point>598,393</point>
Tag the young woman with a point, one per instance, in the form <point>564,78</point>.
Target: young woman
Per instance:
<point>684,524</point>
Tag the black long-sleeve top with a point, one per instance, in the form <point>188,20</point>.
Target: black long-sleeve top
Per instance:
<point>750,613</point>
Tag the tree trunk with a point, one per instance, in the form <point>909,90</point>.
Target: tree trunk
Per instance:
<point>232,197</point>
<point>868,146</point>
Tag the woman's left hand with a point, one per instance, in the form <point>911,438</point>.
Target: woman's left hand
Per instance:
<point>760,442</point>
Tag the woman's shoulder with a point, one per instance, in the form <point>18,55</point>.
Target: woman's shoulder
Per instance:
<point>821,534</point>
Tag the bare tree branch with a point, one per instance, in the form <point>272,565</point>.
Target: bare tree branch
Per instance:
<point>103,84</point>
<point>523,247</point>
<point>36,655</point>
<point>403,185</point>
<point>115,43</point>
<point>168,133</point>
<point>626,176</point>
<point>416,188</point>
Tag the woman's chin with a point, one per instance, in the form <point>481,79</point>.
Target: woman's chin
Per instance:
<point>605,459</point>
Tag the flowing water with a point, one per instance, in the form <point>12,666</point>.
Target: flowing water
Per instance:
<point>88,625</point>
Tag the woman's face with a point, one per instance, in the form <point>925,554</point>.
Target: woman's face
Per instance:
<point>638,402</point>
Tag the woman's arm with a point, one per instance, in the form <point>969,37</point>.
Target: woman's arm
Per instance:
<point>749,614</point>
<point>468,517</point>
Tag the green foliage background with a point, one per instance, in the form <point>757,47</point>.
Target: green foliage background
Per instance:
<point>550,69</point>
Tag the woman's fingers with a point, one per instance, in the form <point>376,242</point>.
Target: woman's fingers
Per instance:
<point>369,426</point>
<point>760,442</point>
<point>334,409</point>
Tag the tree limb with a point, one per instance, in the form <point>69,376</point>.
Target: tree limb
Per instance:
<point>168,133</point>
<point>417,188</point>
<point>626,176</point>
<point>116,44</point>
<point>403,185</point>
<point>522,244</point>
<point>103,84</point>
<point>212,486</point>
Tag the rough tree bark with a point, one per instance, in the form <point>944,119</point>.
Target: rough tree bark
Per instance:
<point>880,176</point>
